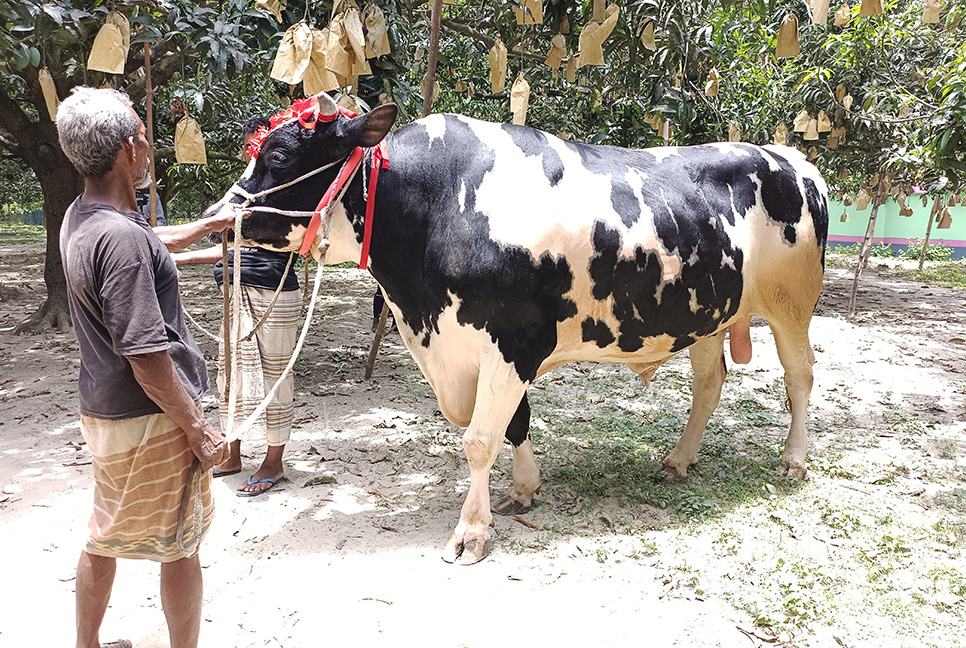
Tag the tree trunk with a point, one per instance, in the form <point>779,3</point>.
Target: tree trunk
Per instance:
<point>61,185</point>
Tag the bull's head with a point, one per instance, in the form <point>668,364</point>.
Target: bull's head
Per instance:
<point>309,135</point>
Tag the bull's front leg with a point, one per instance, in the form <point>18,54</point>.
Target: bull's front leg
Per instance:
<point>499,391</point>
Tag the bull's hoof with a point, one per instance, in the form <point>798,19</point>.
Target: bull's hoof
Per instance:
<point>469,550</point>
<point>794,468</point>
<point>510,506</point>
<point>676,470</point>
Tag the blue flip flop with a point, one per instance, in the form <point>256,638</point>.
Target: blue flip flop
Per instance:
<point>266,480</point>
<point>223,473</point>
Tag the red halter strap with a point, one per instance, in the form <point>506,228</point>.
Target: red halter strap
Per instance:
<point>380,160</point>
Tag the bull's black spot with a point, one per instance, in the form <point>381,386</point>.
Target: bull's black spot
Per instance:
<point>534,142</point>
<point>519,428</point>
<point>427,252</point>
<point>818,208</point>
<point>596,331</point>
<point>624,202</point>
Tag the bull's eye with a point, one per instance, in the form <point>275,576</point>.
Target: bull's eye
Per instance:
<point>278,157</point>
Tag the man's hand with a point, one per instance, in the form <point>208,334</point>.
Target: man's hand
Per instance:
<point>211,447</point>
<point>225,217</point>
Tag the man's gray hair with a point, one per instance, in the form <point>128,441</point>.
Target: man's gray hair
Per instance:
<point>93,124</point>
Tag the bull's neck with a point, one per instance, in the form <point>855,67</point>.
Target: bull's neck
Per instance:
<point>354,203</point>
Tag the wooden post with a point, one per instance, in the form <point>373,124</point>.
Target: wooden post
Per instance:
<point>429,81</point>
<point>925,244</point>
<point>867,243</point>
<point>149,97</point>
<point>380,329</point>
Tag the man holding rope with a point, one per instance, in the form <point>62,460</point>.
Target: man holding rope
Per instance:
<point>264,357</point>
<point>141,375</point>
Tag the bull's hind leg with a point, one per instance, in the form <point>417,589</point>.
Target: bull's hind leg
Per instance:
<point>797,358</point>
<point>499,392</point>
<point>526,475</point>
<point>707,364</point>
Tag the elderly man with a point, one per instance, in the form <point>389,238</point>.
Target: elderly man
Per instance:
<point>141,375</point>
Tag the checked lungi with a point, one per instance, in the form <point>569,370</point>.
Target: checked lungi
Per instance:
<point>263,359</point>
<point>142,467</point>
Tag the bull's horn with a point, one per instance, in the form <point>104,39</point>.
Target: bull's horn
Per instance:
<point>327,106</point>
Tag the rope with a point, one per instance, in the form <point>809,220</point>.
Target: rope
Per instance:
<point>251,197</point>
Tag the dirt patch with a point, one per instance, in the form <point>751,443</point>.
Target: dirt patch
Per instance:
<point>868,551</point>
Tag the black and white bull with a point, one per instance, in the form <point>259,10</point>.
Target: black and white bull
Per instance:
<point>504,252</point>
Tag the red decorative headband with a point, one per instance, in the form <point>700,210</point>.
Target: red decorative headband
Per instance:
<point>306,111</point>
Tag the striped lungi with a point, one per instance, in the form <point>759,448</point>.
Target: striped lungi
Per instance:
<point>263,359</point>
<point>142,468</point>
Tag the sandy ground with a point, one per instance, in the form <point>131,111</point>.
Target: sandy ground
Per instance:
<point>356,561</point>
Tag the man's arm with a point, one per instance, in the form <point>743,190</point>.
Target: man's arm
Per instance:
<point>178,237</point>
<point>207,255</point>
<point>156,374</point>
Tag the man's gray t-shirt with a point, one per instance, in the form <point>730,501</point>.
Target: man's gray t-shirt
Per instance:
<point>122,286</point>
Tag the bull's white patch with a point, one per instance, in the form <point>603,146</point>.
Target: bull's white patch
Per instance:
<point>435,127</point>
<point>249,170</point>
<point>727,261</point>
<point>693,302</point>
<point>462,196</point>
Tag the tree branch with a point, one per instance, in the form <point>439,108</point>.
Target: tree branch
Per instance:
<point>466,30</point>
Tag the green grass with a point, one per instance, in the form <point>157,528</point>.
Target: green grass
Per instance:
<point>952,274</point>
<point>16,233</point>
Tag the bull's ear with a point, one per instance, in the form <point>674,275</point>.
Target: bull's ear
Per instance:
<point>369,129</point>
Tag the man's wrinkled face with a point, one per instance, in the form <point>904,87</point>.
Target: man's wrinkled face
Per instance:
<point>142,160</point>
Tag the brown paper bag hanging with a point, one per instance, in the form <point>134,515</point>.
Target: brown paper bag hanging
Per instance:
<point>519,100</point>
<point>839,92</point>
<point>349,102</point>
<point>820,12</point>
<point>811,130</point>
<point>189,143</point>
<point>925,200</point>
<point>592,38</point>
<point>781,134</point>
<point>317,77</point>
<point>424,90</point>
<point>337,57</point>
<point>945,219</point>
<point>936,208</point>
<point>847,102</point>
<point>734,131</point>
<point>50,92</point>
<point>377,39</point>
<point>843,16</point>
<point>712,83</point>
<point>294,54</point>
<point>498,67</point>
<point>460,86</point>
<point>273,7</point>
<point>420,51</point>
<point>352,20</point>
<point>600,8</point>
<point>843,174</point>
<point>833,142</point>
<point>870,8</point>
<point>847,200</point>
<point>862,199</point>
<point>905,211</point>
<point>788,38</point>
<point>844,218</point>
<point>111,45</point>
<point>647,36</point>
<point>824,123</point>
<point>930,12</point>
<point>571,72</point>
<point>558,50</point>
<point>801,121</point>
<point>531,13</point>
<point>564,25</point>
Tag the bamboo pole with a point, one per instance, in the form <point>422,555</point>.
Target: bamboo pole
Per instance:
<point>149,98</point>
<point>429,81</point>
<point>867,243</point>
